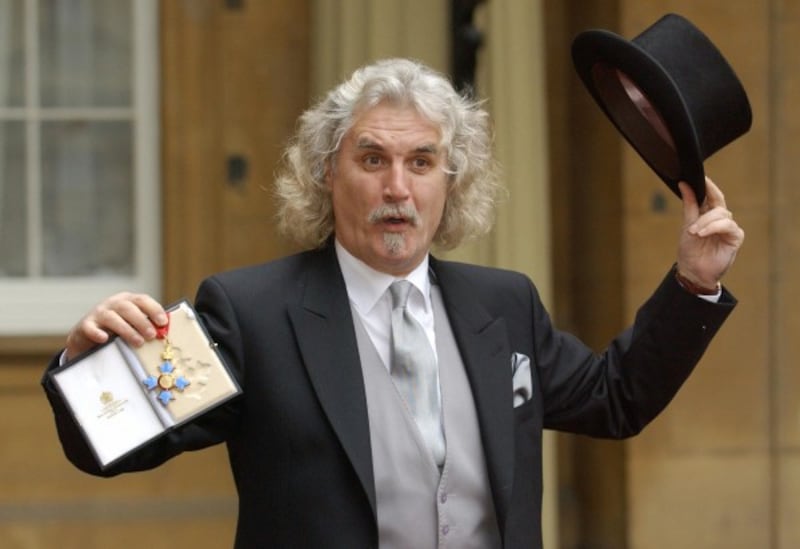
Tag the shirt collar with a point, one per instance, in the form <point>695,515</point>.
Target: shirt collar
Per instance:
<point>366,286</point>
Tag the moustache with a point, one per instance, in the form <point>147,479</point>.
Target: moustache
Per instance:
<point>388,211</point>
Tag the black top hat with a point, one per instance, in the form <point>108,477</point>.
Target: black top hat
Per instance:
<point>669,91</point>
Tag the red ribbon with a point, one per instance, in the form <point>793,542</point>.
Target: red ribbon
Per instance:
<point>162,331</point>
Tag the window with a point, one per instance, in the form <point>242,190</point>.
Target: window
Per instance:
<point>79,208</point>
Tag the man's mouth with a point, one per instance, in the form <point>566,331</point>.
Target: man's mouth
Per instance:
<point>396,216</point>
<point>395,220</point>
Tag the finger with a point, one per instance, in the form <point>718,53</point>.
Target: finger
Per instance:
<point>126,315</point>
<point>691,210</point>
<point>127,321</point>
<point>708,218</point>
<point>132,317</point>
<point>151,308</point>
<point>714,195</point>
<point>85,335</point>
<point>725,228</point>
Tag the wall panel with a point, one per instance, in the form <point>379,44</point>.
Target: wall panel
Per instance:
<point>234,77</point>
<point>719,467</point>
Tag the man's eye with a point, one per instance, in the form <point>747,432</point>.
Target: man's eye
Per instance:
<point>372,160</point>
<point>421,163</point>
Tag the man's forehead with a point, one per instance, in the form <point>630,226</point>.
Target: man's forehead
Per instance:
<point>366,141</point>
<point>386,114</point>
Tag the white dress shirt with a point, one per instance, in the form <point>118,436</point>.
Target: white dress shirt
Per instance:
<point>367,291</point>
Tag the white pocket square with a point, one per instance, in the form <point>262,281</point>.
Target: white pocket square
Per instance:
<point>521,378</point>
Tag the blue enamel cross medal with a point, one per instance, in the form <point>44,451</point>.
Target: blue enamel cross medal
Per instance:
<point>167,379</point>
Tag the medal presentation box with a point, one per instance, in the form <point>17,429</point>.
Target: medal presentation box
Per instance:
<point>124,397</point>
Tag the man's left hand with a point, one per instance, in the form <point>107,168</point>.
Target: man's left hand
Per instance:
<point>710,238</point>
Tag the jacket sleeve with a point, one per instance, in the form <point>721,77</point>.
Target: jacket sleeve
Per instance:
<point>615,393</point>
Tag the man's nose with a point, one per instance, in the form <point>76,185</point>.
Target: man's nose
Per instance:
<point>397,185</point>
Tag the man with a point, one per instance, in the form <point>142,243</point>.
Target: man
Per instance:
<point>328,447</point>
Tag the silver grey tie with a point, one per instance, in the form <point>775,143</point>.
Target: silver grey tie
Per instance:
<point>414,370</point>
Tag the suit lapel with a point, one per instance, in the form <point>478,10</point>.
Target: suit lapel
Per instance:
<point>483,342</point>
<point>323,325</point>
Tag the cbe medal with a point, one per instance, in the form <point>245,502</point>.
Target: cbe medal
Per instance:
<point>167,379</point>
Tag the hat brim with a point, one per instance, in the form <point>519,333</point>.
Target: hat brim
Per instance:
<point>598,54</point>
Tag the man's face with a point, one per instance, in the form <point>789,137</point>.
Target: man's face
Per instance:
<point>389,188</point>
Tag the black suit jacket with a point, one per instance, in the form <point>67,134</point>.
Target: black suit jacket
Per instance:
<point>298,438</point>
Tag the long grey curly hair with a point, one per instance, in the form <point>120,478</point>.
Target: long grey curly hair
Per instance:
<point>305,211</point>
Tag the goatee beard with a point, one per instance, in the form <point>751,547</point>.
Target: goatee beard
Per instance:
<point>394,242</point>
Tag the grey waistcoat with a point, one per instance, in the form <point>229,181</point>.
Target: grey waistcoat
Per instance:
<point>417,506</point>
